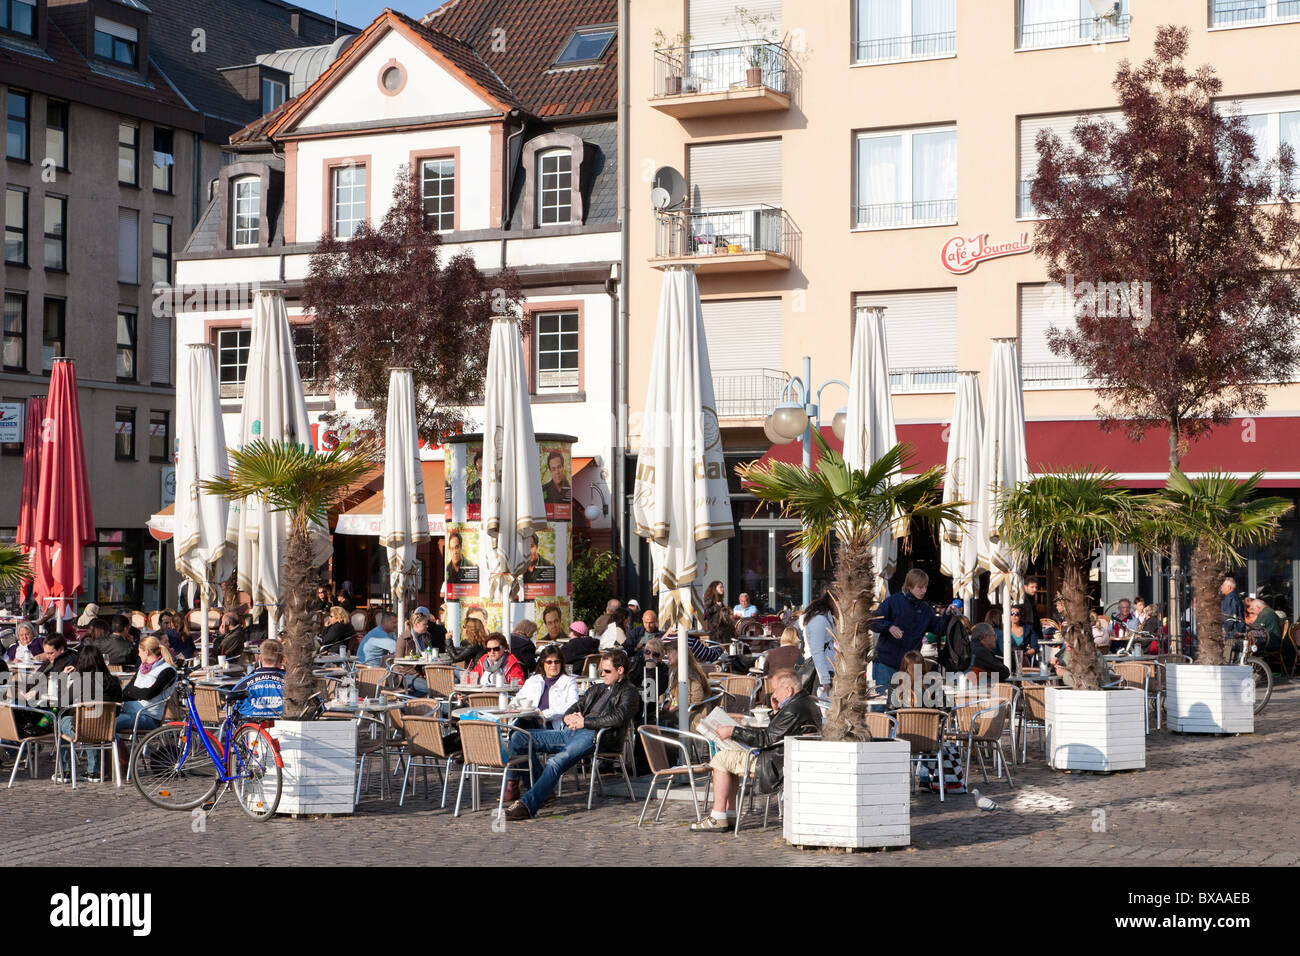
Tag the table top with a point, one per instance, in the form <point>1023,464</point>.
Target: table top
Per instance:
<point>366,704</point>
<point>1032,678</point>
<point>510,713</point>
<point>485,688</point>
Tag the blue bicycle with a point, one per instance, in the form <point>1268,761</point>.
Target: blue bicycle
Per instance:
<point>180,765</point>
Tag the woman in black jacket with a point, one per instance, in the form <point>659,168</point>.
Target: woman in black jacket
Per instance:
<point>473,638</point>
<point>338,629</point>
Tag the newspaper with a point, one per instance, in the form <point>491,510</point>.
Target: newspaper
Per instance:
<point>714,721</point>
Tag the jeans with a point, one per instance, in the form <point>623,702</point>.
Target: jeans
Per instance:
<point>881,676</point>
<point>569,746</point>
<point>123,726</point>
<point>415,684</point>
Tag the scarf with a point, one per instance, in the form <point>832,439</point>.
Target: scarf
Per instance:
<point>547,683</point>
<point>492,668</point>
<point>146,668</point>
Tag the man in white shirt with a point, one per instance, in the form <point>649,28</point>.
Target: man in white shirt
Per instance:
<point>744,608</point>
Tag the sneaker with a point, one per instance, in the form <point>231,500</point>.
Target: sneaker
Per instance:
<point>712,823</point>
<point>59,778</point>
<point>517,811</point>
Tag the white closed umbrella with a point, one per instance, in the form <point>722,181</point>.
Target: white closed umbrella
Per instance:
<point>513,508</point>
<point>958,543</point>
<point>869,429</point>
<point>405,521</point>
<point>275,410</point>
<point>1003,464</point>
<point>680,503</point>
<point>201,522</point>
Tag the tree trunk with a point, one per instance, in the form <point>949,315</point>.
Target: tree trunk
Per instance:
<point>1207,576</point>
<point>1175,554</point>
<point>1077,630</point>
<point>854,595</point>
<point>299,636</point>
<point>230,594</point>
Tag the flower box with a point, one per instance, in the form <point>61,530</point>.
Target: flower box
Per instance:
<point>1204,699</point>
<point>1101,730</point>
<point>847,793</point>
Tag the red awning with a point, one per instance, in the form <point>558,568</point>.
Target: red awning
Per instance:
<point>365,517</point>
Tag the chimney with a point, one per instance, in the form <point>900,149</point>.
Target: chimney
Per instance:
<point>295,23</point>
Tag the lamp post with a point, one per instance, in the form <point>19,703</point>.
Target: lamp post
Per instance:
<point>794,417</point>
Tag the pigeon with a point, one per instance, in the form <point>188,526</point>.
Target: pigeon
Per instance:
<point>983,802</point>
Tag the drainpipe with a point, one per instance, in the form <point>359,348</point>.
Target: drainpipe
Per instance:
<point>614,289</point>
<point>618,469</point>
<point>197,202</point>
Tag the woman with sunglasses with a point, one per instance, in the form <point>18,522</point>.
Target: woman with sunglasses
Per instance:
<point>497,659</point>
<point>1023,636</point>
<point>550,690</point>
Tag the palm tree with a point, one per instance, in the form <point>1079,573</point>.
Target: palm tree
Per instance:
<point>14,567</point>
<point>304,483</point>
<point>1062,518</point>
<point>854,506</point>
<point>1221,515</point>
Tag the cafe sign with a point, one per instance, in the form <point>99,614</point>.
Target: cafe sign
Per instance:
<point>11,422</point>
<point>961,254</point>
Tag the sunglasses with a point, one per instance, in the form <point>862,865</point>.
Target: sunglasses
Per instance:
<point>607,670</point>
<point>654,657</point>
<point>553,660</point>
<point>496,650</point>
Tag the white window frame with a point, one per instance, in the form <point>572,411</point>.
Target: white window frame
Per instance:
<point>559,351</point>
<point>273,85</point>
<point>355,208</point>
<point>233,348</point>
<point>443,199</point>
<point>236,215</point>
<point>906,36</point>
<point>1085,13</point>
<point>1272,15</point>
<point>542,192</point>
<point>905,163</point>
<point>1267,150</point>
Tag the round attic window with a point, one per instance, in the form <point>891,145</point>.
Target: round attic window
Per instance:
<point>392,78</point>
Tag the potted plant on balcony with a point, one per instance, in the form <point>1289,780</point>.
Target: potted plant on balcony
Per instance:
<point>1221,515</point>
<point>672,52</point>
<point>760,33</point>
<point>319,755</point>
<point>847,788</point>
<point>1063,518</point>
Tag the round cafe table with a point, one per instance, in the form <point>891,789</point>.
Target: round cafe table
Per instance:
<point>503,693</point>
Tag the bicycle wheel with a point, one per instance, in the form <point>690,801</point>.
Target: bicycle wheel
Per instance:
<point>1263,682</point>
<point>258,778</point>
<point>173,770</point>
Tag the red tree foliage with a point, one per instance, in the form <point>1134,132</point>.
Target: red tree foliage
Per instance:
<point>1174,196</point>
<point>385,299</point>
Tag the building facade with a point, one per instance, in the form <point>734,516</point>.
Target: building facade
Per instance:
<point>878,152</point>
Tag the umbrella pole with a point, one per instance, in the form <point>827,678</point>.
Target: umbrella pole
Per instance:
<point>683,675</point>
<point>204,630</point>
<point>1006,622</point>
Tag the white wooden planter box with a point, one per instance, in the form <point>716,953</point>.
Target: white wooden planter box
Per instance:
<point>1201,699</point>
<point>847,794</point>
<point>1096,729</point>
<point>320,765</point>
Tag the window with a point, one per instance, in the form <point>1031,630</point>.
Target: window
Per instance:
<point>116,42</point>
<point>348,204</point>
<point>53,341</point>
<point>885,31</point>
<point>309,354</point>
<point>248,212</point>
<point>164,160</point>
<point>920,338</point>
<point>907,178</point>
<point>128,154</point>
<point>16,227</point>
<point>1238,13</point>
<point>126,345</point>
<point>1045,23</point>
<point>13,346</point>
<point>587,45</point>
<point>162,251</point>
<point>56,133</point>
<point>18,112</point>
<point>232,355</point>
<point>438,193</point>
<point>1044,307</point>
<point>745,354</point>
<point>557,349</point>
<point>1273,122</point>
<point>128,246</point>
<point>56,232</point>
<point>554,187</point>
<point>160,444</point>
<point>124,434</point>
<point>1062,125</point>
<point>272,94</point>
<point>18,16</point>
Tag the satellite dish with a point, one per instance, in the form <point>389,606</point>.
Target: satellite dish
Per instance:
<point>660,198</point>
<point>671,182</point>
<point>1103,9</point>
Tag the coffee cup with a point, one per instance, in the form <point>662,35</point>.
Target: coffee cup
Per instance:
<point>762,715</point>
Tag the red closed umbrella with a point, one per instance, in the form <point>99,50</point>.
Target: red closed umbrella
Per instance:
<point>64,523</point>
<point>27,503</point>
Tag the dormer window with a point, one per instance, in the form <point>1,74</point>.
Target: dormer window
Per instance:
<point>554,187</point>
<point>18,17</point>
<point>586,45</point>
<point>116,42</point>
<point>273,93</point>
<point>247,204</point>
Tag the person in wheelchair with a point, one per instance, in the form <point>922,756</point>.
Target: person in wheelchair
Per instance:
<point>265,685</point>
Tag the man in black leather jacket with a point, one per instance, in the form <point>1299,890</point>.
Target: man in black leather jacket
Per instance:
<point>797,714</point>
<point>610,705</point>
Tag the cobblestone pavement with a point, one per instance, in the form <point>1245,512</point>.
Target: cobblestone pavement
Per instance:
<point>1201,800</point>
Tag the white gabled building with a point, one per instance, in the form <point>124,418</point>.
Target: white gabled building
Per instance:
<point>515,149</point>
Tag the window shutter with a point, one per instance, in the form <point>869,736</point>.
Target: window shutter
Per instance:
<point>1062,124</point>
<point>119,30</point>
<point>920,328</point>
<point>161,343</point>
<point>743,333</point>
<point>735,175</point>
<point>1253,105</point>
<point>1043,307</point>
<point>128,245</point>
<point>714,21</point>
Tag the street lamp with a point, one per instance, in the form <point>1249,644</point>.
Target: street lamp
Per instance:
<point>795,417</point>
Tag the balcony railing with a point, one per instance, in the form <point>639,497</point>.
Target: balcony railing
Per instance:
<point>1052,373</point>
<point>747,392</point>
<point>1069,32</point>
<point>893,49</point>
<point>716,69</point>
<point>1237,13</point>
<point>922,379</point>
<point>891,214</point>
<point>715,232</point>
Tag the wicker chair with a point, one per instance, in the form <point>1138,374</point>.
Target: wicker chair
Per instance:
<point>426,745</point>
<point>207,701</point>
<point>483,743</point>
<point>26,745</point>
<point>1033,716</point>
<point>922,728</point>
<point>93,728</point>
<point>441,679</point>
<point>1011,694</point>
<point>656,741</point>
<point>881,726</point>
<point>585,666</point>
<point>978,726</point>
<point>371,680</point>
<point>738,692</point>
<point>1142,675</point>
<point>483,700</point>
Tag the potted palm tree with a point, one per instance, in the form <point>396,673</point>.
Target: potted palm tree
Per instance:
<point>849,789</point>
<point>1063,518</point>
<point>1221,515</point>
<point>14,567</point>
<point>319,756</point>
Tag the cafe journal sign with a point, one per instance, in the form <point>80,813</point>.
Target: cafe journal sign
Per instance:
<point>961,254</point>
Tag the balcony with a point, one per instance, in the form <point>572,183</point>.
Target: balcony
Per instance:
<point>747,393</point>
<point>927,46</point>
<point>922,379</point>
<point>726,240</point>
<point>899,215</point>
<point>691,82</point>
<point>1053,375</point>
<point>1038,36</point>
<point>1252,13</point>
